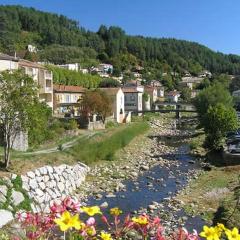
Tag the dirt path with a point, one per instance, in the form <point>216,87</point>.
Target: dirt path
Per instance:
<point>64,146</point>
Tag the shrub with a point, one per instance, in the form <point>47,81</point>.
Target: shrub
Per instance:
<point>71,125</point>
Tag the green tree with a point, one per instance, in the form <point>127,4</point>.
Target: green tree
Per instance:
<point>235,84</point>
<point>222,79</point>
<point>186,94</point>
<point>96,102</point>
<point>38,128</point>
<point>108,83</point>
<point>218,120</point>
<point>211,96</point>
<point>17,97</point>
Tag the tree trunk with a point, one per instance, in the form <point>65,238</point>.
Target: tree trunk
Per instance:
<point>7,147</point>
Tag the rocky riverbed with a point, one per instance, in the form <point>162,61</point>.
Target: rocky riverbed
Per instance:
<point>147,175</point>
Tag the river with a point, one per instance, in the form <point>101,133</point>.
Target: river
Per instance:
<point>154,191</point>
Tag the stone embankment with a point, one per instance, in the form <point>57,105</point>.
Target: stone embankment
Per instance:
<point>38,189</point>
<point>47,184</point>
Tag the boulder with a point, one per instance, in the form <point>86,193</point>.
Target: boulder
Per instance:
<point>3,190</point>
<point>5,216</point>
<point>17,197</point>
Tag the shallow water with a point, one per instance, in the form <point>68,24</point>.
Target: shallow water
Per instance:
<point>157,184</point>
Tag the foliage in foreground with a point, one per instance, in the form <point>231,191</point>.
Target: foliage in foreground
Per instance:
<point>217,122</point>
<point>18,98</point>
<point>104,149</point>
<point>217,116</point>
<point>66,219</point>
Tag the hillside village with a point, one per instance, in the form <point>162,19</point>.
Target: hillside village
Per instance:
<point>131,97</point>
<point>108,136</point>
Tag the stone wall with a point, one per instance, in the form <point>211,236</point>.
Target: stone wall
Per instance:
<point>47,184</point>
<point>20,142</point>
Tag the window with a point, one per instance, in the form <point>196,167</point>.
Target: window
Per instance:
<point>68,98</point>
<point>132,98</point>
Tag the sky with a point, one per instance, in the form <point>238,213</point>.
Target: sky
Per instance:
<point>214,23</point>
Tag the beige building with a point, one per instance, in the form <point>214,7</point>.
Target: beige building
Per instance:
<point>42,77</point>
<point>39,73</point>
<point>67,99</point>
<point>117,98</point>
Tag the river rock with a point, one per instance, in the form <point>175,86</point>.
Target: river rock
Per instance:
<point>104,205</point>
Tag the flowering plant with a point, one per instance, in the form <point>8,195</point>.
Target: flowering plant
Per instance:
<point>75,222</point>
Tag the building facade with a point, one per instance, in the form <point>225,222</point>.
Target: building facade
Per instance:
<point>132,99</point>
<point>67,100</point>
<point>42,77</point>
<point>118,107</point>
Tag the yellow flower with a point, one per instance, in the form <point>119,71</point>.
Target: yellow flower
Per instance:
<point>220,228</point>
<point>91,211</point>
<point>142,220</point>
<point>210,233</point>
<point>105,236</point>
<point>66,221</point>
<point>233,235</point>
<point>91,231</point>
<point>115,211</point>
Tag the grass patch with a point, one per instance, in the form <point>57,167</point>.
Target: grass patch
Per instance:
<point>105,146</point>
<point>101,146</point>
<point>197,197</point>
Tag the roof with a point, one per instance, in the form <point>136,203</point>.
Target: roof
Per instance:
<point>26,63</point>
<point>173,93</point>
<point>110,91</point>
<point>132,83</point>
<point>7,57</point>
<point>69,89</point>
<point>130,90</point>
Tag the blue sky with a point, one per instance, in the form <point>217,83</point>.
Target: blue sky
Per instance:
<point>214,23</point>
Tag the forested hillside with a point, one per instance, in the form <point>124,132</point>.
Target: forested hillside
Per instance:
<point>62,40</point>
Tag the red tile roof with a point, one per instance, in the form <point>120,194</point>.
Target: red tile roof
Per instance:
<point>110,91</point>
<point>130,90</point>
<point>25,63</point>
<point>65,88</point>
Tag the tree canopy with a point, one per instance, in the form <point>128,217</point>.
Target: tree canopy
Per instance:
<point>62,40</point>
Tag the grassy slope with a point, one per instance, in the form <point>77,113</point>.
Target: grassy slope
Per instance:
<point>100,147</point>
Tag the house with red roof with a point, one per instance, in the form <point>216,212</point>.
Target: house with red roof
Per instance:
<point>67,100</point>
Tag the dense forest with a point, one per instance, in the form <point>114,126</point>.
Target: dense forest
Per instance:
<point>62,40</point>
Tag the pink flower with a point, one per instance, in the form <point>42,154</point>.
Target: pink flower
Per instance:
<point>91,221</point>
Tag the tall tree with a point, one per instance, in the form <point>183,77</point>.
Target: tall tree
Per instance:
<point>96,102</point>
<point>17,96</point>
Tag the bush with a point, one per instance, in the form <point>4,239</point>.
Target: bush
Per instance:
<point>71,125</point>
<point>217,122</point>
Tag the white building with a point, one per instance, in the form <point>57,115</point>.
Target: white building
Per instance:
<point>133,99</point>
<point>118,106</point>
<point>8,62</point>
<point>70,66</point>
<point>173,96</point>
<point>105,68</point>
